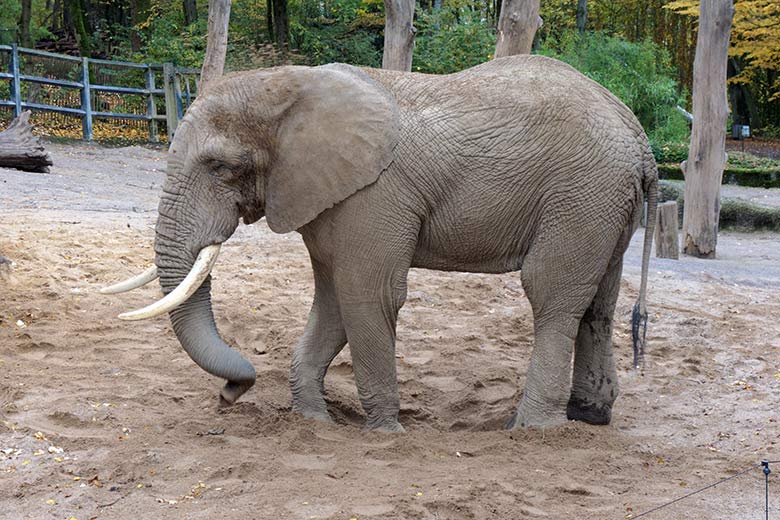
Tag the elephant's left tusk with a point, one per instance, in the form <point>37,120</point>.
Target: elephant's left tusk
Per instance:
<point>200,270</point>
<point>132,283</point>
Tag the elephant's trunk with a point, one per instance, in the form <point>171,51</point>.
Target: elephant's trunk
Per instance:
<point>193,323</point>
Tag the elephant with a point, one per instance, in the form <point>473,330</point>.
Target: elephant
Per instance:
<point>518,164</point>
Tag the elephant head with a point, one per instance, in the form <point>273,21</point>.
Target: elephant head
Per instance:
<point>284,143</point>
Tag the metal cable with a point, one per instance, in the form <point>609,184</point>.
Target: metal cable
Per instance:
<point>705,488</point>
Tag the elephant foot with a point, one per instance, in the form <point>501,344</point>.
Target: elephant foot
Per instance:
<point>310,412</point>
<point>591,413</point>
<point>526,417</point>
<point>231,392</point>
<point>386,425</point>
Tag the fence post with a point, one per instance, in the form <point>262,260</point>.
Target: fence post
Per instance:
<point>171,111</point>
<point>86,102</point>
<point>151,106</point>
<point>16,86</point>
<point>177,91</point>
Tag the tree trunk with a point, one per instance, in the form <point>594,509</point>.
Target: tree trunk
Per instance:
<point>24,24</point>
<point>139,12</point>
<point>281,24</point>
<point>707,155</point>
<point>75,9</point>
<point>190,9</point>
<point>269,19</point>
<point>216,45</point>
<point>582,15</point>
<point>20,149</point>
<point>517,26</point>
<point>399,35</point>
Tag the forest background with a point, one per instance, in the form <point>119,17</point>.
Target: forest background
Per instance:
<point>642,51</point>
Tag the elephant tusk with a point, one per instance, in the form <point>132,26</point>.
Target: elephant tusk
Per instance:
<point>132,283</point>
<point>200,270</point>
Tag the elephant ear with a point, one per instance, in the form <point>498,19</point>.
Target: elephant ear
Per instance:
<point>334,139</point>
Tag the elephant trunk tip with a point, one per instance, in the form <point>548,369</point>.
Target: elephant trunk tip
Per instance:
<point>238,384</point>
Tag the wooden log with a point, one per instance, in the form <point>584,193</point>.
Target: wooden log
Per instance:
<point>667,243</point>
<point>20,149</point>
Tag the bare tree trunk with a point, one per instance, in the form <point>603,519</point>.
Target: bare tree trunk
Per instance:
<point>216,45</point>
<point>24,23</point>
<point>516,27</point>
<point>582,15</point>
<point>707,155</point>
<point>190,9</point>
<point>281,23</point>
<point>399,35</point>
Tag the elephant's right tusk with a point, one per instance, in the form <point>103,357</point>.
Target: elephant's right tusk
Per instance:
<point>132,283</point>
<point>194,279</point>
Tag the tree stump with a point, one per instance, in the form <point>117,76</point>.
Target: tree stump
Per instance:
<point>667,243</point>
<point>20,149</point>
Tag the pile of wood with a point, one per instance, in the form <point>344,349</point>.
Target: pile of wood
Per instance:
<point>61,42</point>
<point>20,149</point>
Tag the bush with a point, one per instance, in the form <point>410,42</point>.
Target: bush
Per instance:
<point>640,74</point>
<point>450,40</point>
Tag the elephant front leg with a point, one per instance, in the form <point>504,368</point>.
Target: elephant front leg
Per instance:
<point>323,338</point>
<point>371,333</point>
<point>595,386</point>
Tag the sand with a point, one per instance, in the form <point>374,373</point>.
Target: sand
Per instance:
<point>104,419</point>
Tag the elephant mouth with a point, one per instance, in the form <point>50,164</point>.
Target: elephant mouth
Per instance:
<point>250,214</point>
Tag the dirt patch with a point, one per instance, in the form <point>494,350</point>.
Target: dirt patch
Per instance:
<point>111,420</point>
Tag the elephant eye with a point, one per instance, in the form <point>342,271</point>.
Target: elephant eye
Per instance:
<point>222,171</point>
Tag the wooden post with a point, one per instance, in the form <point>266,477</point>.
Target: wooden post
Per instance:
<point>177,94</point>
<point>399,35</point>
<point>707,155</point>
<point>86,102</point>
<point>171,111</point>
<point>667,243</point>
<point>517,27</point>
<point>151,106</point>
<point>16,86</point>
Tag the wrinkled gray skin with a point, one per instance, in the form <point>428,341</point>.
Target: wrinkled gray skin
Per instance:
<point>519,163</point>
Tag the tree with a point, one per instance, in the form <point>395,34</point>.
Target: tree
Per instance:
<point>517,26</point>
<point>582,15</point>
<point>77,12</point>
<point>190,10</point>
<point>216,44</point>
<point>399,35</point>
<point>24,23</point>
<point>281,24</point>
<point>707,155</point>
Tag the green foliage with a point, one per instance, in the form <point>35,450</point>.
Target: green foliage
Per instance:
<point>167,39</point>
<point>638,73</point>
<point>449,40</point>
<point>347,31</point>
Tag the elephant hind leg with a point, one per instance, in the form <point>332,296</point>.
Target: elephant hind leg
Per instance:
<point>595,385</point>
<point>323,338</point>
<point>560,288</point>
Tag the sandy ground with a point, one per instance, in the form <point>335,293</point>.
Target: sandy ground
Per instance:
<point>111,420</point>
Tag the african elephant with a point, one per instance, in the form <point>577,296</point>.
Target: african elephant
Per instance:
<point>521,163</point>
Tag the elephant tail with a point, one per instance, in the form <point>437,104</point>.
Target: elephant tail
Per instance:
<point>639,314</point>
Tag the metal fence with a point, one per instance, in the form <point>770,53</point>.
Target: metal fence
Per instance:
<point>95,90</point>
